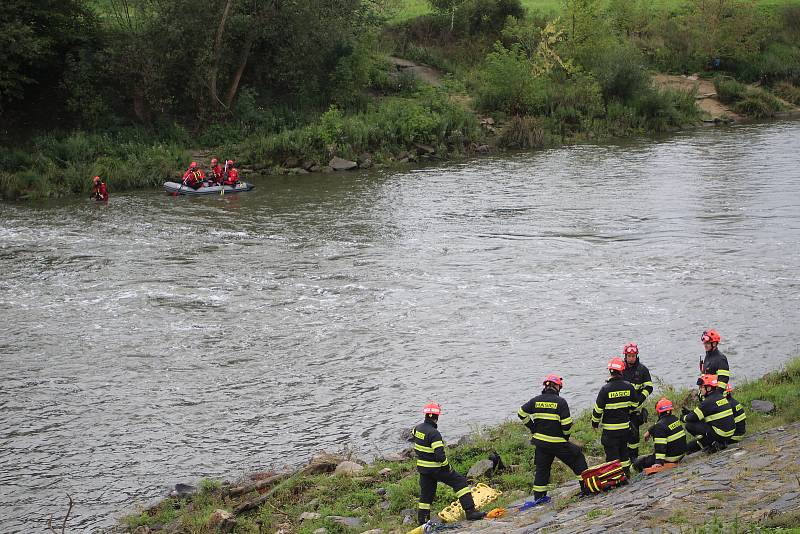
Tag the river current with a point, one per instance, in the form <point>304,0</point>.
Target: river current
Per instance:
<point>157,340</point>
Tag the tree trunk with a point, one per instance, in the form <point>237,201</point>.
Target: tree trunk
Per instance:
<point>215,101</point>
<point>237,77</point>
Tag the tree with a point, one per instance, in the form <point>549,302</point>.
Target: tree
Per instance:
<point>448,7</point>
<point>36,38</point>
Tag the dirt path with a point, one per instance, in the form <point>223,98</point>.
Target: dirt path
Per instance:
<point>706,94</point>
<point>423,72</point>
<point>751,482</point>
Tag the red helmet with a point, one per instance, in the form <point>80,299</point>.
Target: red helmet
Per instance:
<point>432,408</point>
<point>553,379</point>
<point>229,162</point>
<point>616,364</point>
<point>213,161</point>
<point>707,380</point>
<point>192,165</point>
<point>664,405</point>
<point>710,336</point>
<point>96,179</point>
<point>631,349</point>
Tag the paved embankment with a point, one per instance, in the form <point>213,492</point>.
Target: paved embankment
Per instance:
<point>750,482</point>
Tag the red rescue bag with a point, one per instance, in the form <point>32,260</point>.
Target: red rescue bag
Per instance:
<point>603,477</point>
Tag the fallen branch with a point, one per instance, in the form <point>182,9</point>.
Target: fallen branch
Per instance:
<point>249,505</point>
<point>257,486</point>
<point>66,517</point>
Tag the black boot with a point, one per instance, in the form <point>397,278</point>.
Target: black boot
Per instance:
<point>474,515</point>
<point>423,516</point>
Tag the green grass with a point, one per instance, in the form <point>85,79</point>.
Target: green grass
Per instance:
<point>357,496</point>
<point>409,9</point>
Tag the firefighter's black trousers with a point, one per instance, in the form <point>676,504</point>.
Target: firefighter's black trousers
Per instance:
<point>569,453</point>
<point>615,444</point>
<point>427,490</point>
<point>707,437</point>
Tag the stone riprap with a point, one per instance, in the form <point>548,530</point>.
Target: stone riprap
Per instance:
<point>751,481</point>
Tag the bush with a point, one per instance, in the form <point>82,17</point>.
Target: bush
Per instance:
<point>507,84</point>
<point>758,103</point>
<point>728,90</point>
<point>788,92</point>
<point>489,16</point>
<point>779,62</point>
<point>620,70</point>
<point>523,132</point>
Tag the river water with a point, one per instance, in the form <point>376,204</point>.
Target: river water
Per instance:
<point>157,340</point>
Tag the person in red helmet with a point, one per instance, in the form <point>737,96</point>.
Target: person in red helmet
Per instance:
<point>714,363</point>
<point>434,467</point>
<point>547,417</point>
<point>639,376</point>
<point>194,176</point>
<point>215,174</point>
<point>232,174</point>
<point>669,438</point>
<point>615,403</point>
<point>739,417</point>
<point>713,422</point>
<point>99,190</point>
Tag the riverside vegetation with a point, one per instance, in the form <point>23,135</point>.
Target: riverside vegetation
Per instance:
<point>128,89</point>
<point>380,494</point>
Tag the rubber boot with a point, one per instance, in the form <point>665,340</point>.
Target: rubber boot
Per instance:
<point>423,516</point>
<point>468,504</point>
<point>474,515</point>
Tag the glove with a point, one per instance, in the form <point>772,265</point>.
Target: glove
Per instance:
<point>685,410</point>
<point>595,425</point>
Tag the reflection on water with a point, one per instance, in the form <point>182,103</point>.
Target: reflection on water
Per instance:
<point>158,340</point>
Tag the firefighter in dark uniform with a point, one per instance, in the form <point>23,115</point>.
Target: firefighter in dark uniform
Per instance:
<point>669,438</point>
<point>434,467</point>
<point>714,363</point>
<point>712,423</point>
<point>615,403</point>
<point>547,417</point>
<point>639,376</point>
<point>739,417</point>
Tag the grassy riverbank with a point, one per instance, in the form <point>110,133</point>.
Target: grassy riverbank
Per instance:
<point>378,498</point>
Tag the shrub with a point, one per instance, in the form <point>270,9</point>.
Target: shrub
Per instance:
<point>523,132</point>
<point>507,84</point>
<point>489,16</point>
<point>620,70</point>
<point>779,62</point>
<point>753,107</point>
<point>788,92</point>
<point>758,103</point>
<point>728,90</point>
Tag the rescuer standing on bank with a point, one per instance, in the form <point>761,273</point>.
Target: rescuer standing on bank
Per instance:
<point>714,363</point>
<point>547,417</point>
<point>639,376</point>
<point>434,467</point>
<point>615,403</point>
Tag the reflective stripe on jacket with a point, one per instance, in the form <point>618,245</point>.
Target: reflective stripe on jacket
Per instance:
<point>717,412</point>
<point>547,417</point>
<point>429,447</point>
<point>614,404</point>
<point>739,418</point>
<point>669,439</point>
<point>715,363</point>
<point>639,377</point>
